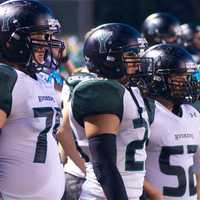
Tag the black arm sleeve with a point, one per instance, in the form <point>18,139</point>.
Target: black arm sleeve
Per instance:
<point>103,151</point>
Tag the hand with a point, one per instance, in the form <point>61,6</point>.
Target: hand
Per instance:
<point>82,165</point>
<point>152,192</point>
<point>156,196</point>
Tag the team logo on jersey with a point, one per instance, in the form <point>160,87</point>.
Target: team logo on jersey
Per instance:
<point>103,39</point>
<point>45,98</point>
<point>183,136</point>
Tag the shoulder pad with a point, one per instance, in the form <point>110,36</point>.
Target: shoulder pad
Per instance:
<point>76,78</point>
<point>98,96</point>
<point>8,77</point>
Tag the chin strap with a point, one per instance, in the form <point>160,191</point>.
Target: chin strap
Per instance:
<point>140,110</point>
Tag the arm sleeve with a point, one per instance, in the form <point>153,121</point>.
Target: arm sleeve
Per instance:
<point>103,151</point>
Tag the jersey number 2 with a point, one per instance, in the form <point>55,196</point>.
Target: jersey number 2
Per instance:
<point>131,164</point>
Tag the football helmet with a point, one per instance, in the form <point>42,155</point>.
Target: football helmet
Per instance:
<point>160,28</point>
<point>172,60</point>
<point>19,20</point>
<point>186,39</point>
<point>107,47</point>
<point>185,33</point>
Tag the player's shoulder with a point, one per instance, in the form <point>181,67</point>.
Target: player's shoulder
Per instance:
<point>97,96</point>
<point>99,86</point>
<point>8,76</point>
<point>7,71</point>
<point>78,77</point>
<point>72,81</point>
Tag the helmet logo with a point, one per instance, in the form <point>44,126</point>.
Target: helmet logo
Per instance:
<point>142,42</point>
<point>6,19</point>
<point>191,67</point>
<point>54,24</point>
<point>103,38</point>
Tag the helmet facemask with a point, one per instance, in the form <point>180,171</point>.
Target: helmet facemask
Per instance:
<point>117,61</point>
<point>176,86</point>
<point>138,69</point>
<point>50,48</point>
<point>126,60</point>
<point>184,91</point>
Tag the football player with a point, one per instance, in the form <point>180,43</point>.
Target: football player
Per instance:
<point>187,39</point>
<point>74,171</point>
<point>172,165</point>
<point>30,166</point>
<point>108,116</point>
<point>160,28</point>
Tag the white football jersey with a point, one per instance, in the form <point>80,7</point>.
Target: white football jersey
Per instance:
<point>173,145</point>
<point>29,158</point>
<point>106,96</point>
<point>70,167</point>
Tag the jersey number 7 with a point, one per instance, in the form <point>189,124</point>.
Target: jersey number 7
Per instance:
<point>41,146</point>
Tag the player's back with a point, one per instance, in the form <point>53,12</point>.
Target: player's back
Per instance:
<point>102,96</point>
<point>28,149</point>
<point>170,152</point>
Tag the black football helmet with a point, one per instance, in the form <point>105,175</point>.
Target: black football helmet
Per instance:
<point>19,19</point>
<point>186,32</point>
<point>105,48</point>
<point>172,60</point>
<point>160,27</point>
<point>186,39</point>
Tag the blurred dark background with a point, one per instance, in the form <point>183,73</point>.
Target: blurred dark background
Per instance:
<point>78,16</point>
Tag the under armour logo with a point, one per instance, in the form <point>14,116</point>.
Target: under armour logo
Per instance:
<point>193,114</point>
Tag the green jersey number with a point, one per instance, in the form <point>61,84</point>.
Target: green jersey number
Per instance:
<point>131,164</point>
<point>41,146</point>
